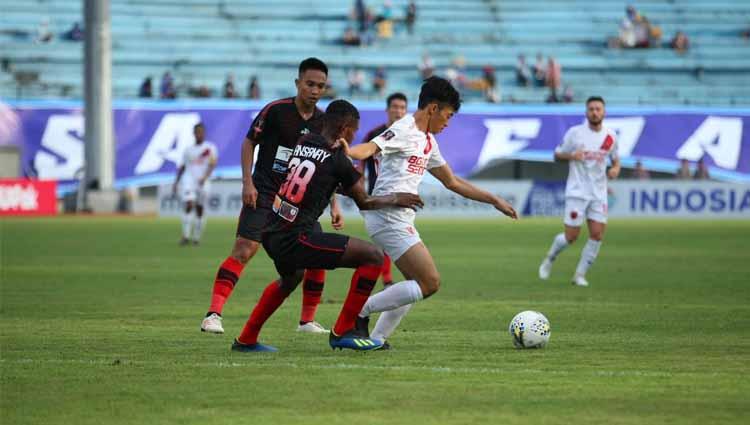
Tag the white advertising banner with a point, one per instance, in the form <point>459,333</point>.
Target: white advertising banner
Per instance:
<point>225,199</point>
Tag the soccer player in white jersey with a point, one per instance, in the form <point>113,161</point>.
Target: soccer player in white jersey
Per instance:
<point>408,148</point>
<point>586,147</point>
<point>198,162</point>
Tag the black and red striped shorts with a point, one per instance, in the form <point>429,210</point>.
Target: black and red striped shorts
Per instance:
<point>293,251</point>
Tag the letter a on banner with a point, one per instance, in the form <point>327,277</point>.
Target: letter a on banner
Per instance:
<point>175,133</point>
<point>720,137</point>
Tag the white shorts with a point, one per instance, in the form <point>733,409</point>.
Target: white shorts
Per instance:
<point>395,238</point>
<point>194,193</point>
<point>577,209</point>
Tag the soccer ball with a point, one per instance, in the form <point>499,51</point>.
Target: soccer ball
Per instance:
<point>529,329</point>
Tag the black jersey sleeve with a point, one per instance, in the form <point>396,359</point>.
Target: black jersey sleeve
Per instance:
<point>263,124</point>
<point>345,171</point>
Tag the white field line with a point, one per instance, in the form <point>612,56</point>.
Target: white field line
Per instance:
<point>364,367</point>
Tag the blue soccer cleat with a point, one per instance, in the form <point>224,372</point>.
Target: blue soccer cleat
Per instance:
<point>253,348</point>
<point>353,341</point>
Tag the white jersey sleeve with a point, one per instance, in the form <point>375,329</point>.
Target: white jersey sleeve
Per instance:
<point>613,154</point>
<point>390,141</point>
<point>568,142</point>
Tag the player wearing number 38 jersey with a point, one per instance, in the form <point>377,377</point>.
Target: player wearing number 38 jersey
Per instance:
<point>317,166</point>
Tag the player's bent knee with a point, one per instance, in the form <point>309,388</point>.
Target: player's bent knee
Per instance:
<point>244,250</point>
<point>376,256</point>
<point>430,285</point>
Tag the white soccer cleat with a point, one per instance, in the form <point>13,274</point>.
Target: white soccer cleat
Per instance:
<point>545,269</point>
<point>312,328</point>
<point>212,324</point>
<point>579,280</point>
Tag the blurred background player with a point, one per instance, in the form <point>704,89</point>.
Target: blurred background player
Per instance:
<point>395,110</point>
<point>275,131</point>
<point>586,147</point>
<point>295,242</point>
<point>198,162</point>
<point>407,149</point>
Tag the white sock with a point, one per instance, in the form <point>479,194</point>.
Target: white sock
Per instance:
<point>588,255</point>
<point>558,245</point>
<point>187,224</point>
<point>402,293</point>
<point>198,225</point>
<point>388,321</point>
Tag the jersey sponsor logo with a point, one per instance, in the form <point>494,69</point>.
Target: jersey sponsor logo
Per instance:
<point>416,165</point>
<point>282,159</point>
<point>598,156</point>
<point>304,131</point>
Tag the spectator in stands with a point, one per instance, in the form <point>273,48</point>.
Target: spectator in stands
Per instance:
<point>253,89</point>
<point>701,172</point>
<point>202,91</point>
<point>146,89</point>
<point>356,78</point>
<point>552,97</point>
<point>490,87</point>
<point>523,74</point>
<point>426,67</point>
<point>540,71</point>
<point>680,42</point>
<point>74,34</point>
<point>411,16</point>
<point>683,173</point>
<point>229,92</point>
<point>745,34</point>
<point>379,81</point>
<point>568,95</point>
<point>167,89</point>
<point>384,21</point>
<point>360,14</point>
<point>351,38</point>
<point>639,172</point>
<point>554,75</point>
<point>43,33</point>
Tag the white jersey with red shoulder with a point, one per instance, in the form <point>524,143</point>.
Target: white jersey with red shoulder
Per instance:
<point>405,153</point>
<point>587,179</point>
<point>196,160</point>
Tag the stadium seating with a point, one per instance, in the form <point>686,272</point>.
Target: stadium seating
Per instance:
<point>201,41</point>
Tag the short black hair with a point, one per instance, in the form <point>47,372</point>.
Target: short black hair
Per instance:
<point>339,113</point>
<point>440,90</point>
<point>313,63</point>
<point>395,96</point>
<point>197,126</point>
<point>595,99</point>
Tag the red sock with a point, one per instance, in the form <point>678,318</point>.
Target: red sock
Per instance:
<point>272,298</point>
<point>363,281</point>
<point>227,276</point>
<point>312,289</point>
<point>387,275</point>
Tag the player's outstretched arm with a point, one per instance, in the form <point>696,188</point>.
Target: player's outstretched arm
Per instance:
<point>464,188</point>
<point>360,151</point>
<point>249,192</point>
<point>366,202</point>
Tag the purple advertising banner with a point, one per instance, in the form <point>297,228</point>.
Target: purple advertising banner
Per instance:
<point>150,136</point>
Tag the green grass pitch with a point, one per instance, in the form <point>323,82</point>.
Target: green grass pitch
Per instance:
<point>100,325</point>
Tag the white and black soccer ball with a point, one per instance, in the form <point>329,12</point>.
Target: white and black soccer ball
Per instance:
<point>529,329</point>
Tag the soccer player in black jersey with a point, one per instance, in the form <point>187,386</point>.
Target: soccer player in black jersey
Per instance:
<point>395,110</point>
<point>316,168</point>
<point>274,132</point>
